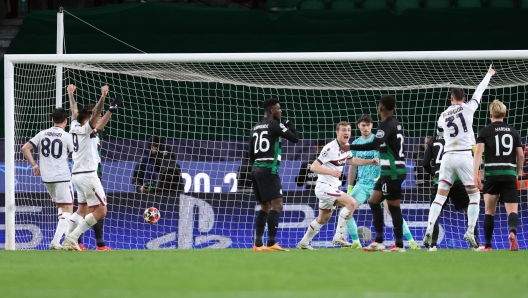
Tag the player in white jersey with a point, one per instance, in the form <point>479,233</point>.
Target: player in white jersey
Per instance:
<point>90,191</point>
<point>456,125</point>
<point>54,145</point>
<point>329,167</point>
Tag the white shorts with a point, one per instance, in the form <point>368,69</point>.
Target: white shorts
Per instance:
<point>89,189</point>
<point>458,163</point>
<point>327,195</point>
<point>61,193</point>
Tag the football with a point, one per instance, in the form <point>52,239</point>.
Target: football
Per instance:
<point>151,215</point>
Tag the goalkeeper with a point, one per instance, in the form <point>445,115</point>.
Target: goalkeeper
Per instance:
<point>367,177</point>
<point>157,171</point>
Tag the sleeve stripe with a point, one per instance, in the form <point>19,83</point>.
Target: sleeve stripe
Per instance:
<point>320,161</point>
<point>478,103</point>
<point>90,123</point>
<point>34,146</point>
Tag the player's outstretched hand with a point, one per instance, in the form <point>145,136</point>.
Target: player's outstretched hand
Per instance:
<point>477,181</point>
<point>115,103</point>
<point>71,88</point>
<point>104,90</point>
<point>375,161</point>
<point>335,173</point>
<point>491,70</point>
<point>345,147</point>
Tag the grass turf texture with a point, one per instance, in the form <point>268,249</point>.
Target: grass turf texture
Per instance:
<point>244,273</point>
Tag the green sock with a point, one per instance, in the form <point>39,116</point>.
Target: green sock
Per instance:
<point>406,231</point>
<point>352,229</point>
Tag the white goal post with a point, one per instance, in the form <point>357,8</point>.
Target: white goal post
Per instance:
<point>402,72</point>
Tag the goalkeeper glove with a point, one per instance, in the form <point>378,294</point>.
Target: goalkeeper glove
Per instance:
<point>115,103</point>
<point>349,189</point>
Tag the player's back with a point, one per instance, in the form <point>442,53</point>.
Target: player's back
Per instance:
<point>369,173</point>
<point>85,155</point>
<point>54,145</point>
<point>392,152</point>
<point>456,125</point>
<point>500,158</point>
<point>438,144</point>
<point>266,145</point>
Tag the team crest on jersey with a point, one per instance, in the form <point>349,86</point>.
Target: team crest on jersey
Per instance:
<point>380,134</point>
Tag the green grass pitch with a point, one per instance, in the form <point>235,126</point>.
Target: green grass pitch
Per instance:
<point>244,273</point>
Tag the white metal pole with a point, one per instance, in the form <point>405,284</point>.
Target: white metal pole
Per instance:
<point>60,41</point>
<point>9,110</point>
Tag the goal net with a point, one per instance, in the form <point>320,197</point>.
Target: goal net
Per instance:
<point>203,107</point>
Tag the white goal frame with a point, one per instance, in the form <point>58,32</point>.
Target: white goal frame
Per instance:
<point>57,59</point>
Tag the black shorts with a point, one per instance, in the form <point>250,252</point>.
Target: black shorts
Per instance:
<point>267,186</point>
<point>507,190</point>
<point>457,195</point>
<point>391,189</point>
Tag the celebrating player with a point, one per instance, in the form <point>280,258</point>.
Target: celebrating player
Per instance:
<point>85,162</point>
<point>456,125</point>
<point>55,145</point>
<point>389,140</point>
<point>457,194</point>
<point>503,162</point>
<point>367,177</point>
<point>329,168</point>
<point>265,155</point>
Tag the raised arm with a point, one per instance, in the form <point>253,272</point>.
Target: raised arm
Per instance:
<point>374,145</point>
<point>73,104</point>
<point>286,130</point>
<point>96,111</point>
<point>483,85</point>
<point>106,117</point>
<point>362,162</point>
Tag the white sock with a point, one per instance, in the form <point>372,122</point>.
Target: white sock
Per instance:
<point>313,229</point>
<point>473,211</point>
<point>62,227</point>
<point>342,219</point>
<point>435,209</point>
<point>89,221</point>
<point>74,221</point>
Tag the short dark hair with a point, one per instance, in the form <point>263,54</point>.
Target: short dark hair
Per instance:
<point>59,115</point>
<point>89,107</point>
<point>320,143</point>
<point>84,114</point>
<point>364,118</point>
<point>270,102</point>
<point>388,102</point>
<point>156,141</point>
<point>458,93</point>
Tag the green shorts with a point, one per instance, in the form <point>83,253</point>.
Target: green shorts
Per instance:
<point>362,192</point>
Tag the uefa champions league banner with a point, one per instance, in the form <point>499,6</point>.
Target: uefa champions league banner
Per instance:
<point>197,176</point>
<point>226,220</point>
